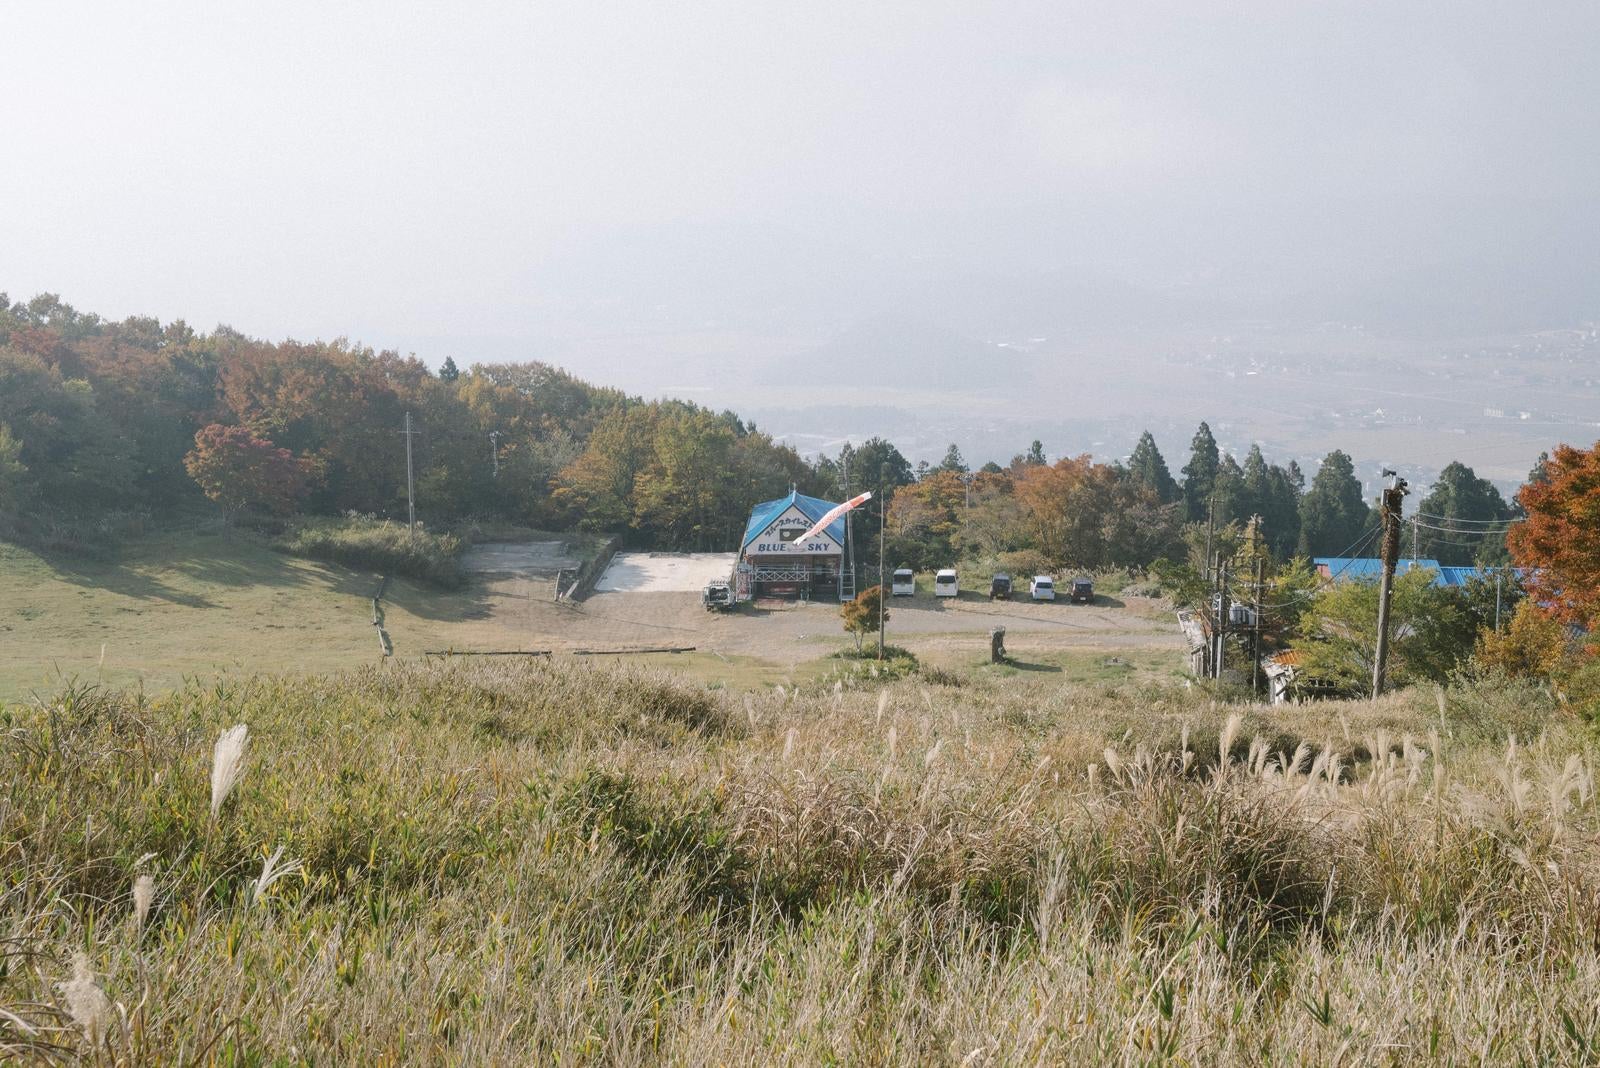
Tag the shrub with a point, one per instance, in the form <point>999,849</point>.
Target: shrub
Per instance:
<point>380,545</point>
<point>1534,643</point>
<point>870,652</point>
<point>1022,565</point>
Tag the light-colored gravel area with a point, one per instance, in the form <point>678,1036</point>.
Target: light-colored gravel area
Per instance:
<point>664,572</point>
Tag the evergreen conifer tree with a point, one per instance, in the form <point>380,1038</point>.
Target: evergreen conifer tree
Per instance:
<point>1333,513</point>
<point>1148,468</point>
<point>1473,510</point>
<point>953,460</point>
<point>1200,473</point>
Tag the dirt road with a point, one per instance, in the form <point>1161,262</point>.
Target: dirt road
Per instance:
<point>793,633</point>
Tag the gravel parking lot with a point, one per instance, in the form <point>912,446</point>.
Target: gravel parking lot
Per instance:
<point>664,572</point>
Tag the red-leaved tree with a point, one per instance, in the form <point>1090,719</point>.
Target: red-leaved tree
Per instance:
<point>243,472</point>
<point>1560,540</point>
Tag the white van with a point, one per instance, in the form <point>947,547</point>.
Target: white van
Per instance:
<point>944,584</point>
<point>904,583</point>
<point>1042,588</point>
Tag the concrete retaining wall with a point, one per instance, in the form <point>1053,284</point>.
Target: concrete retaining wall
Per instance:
<point>582,582</point>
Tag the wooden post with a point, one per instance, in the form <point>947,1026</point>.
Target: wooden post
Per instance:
<point>997,645</point>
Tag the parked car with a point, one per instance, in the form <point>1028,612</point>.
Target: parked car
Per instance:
<point>1000,587</point>
<point>903,583</point>
<point>717,596</point>
<point>945,584</point>
<point>1082,591</point>
<point>1042,588</point>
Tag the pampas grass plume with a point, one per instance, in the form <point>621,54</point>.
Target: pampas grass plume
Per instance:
<point>227,764</point>
<point>87,1004</point>
<point>271,872</point>
<point>1230,731</point>
<point>144,890</point>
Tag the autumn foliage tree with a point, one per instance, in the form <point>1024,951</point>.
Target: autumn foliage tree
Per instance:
<point>861,615</point>
<point>1559,543</point>
<point>243,472</point>
<point>1533,644</point>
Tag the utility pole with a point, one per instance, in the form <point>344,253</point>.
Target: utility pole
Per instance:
<point>411,491</point>
<point>849,531</point>
<point>1497,598</point>
<point>1211,524</point>
<point>1393,498</point>
<point>1222,615</point>
<point>494,451</point>
<point>1255,649</point>
<point>883,508</point>
<point>1414,521</point>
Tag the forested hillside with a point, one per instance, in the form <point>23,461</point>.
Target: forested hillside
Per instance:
<point>104,420</point>
<point>97,417</point>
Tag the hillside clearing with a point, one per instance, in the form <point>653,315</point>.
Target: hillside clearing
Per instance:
<point>172,607</point>
<point>193,605</point>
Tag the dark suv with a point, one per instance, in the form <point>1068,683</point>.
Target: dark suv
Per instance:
<point>1000,588</point>
<point>1082,591</point>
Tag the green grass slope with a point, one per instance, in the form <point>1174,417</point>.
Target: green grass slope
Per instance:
<point>180,605</point>
<point>535,863</point>
<point>174,606</point>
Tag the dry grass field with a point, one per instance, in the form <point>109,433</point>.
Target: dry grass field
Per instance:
<point>565,862</point>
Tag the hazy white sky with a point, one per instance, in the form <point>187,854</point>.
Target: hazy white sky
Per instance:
<point>489,176</point>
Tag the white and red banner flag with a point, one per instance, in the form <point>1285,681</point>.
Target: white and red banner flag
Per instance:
<point>833,513</point>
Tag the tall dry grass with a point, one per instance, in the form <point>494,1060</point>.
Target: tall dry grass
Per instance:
<point>561,863</point>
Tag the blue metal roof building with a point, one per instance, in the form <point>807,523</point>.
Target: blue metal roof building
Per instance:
<point>1370,569</point>
<point>773,562</point>
<point>813,508</point>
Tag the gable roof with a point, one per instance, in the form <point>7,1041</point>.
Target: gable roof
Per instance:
<point>813,508</point>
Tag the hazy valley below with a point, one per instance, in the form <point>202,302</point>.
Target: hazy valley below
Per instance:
<point>1407,401</point>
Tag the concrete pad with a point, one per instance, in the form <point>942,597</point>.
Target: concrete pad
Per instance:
<point>518,558</point>
<point>664,572</point>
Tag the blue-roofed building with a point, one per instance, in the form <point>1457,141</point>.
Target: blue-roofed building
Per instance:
<point>1370,569</point>
<point>774,563</point>
<point>1363,568</point>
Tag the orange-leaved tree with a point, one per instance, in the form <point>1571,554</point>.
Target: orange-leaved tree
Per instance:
<point>1559,543</point>
<point>861,615</point>
<point>241,471</point>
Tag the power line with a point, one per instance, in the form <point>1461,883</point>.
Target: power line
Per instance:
<point>1333,576</point>
<point>1358,543</point>
<point>1478,532</point>
<point>1457,544</point>
<point>1479,522</point>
